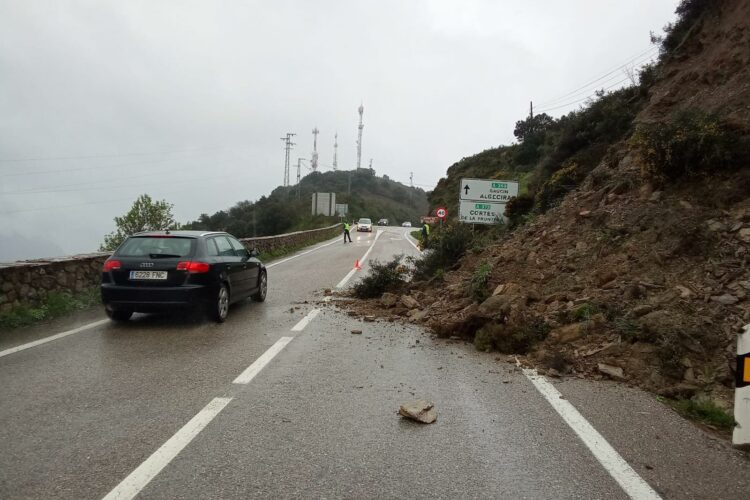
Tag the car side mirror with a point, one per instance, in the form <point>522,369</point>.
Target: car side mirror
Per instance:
<point>254,252</point>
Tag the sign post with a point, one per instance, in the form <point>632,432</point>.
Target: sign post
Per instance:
<point>441,213</point>
<point>741,434</point>
<point>482,201</point>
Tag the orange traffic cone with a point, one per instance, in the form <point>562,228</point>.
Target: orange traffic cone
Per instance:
<point>357,266</point>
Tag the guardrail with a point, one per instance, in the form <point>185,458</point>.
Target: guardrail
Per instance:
<point>27,283</point>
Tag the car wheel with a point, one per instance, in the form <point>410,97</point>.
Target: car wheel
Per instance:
<point>118,315</point>
<point>260,295</point>
<point>219,309</point>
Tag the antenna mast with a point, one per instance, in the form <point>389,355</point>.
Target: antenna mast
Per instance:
<point>314,161</point>
<point>335,150</point>
<point>359,137</point>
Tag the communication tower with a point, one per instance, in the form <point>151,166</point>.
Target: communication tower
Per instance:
<point>359,136</point>
<point>287,149</point>
<point>335,151</point>
<point>314,161</point>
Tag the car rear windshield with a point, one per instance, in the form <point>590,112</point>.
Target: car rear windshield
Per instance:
<point>156,247</point>
<point>365,221</point>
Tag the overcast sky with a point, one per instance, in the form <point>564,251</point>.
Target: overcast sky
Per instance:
<point>101,101</point>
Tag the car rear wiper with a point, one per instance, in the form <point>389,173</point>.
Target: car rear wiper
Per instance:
<point>163,255</point>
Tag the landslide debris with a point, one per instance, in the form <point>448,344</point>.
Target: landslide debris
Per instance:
<point>624,264</point>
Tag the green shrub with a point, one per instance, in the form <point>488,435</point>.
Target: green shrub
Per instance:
<point>385,277</point>
<point>692,143</point>
<point>688,13</point>
<point>629,329</point>
<point>584,312</point>
<point>445,247</point>
<point>478,285</point>
<point>562,181</point>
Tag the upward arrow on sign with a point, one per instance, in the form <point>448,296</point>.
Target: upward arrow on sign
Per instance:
<point>466,189</point>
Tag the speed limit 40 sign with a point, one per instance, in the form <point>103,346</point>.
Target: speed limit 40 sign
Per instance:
<point>442,213</point>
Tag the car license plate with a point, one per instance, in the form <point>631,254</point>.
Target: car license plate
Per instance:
<point>148,275</point>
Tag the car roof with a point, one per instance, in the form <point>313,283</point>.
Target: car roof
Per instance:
<point>180,233</point>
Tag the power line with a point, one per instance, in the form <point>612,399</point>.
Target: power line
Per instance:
<point>585,98</point>
<point>98,167</point>
<point>110,183</point>
<point>648,54</point>
<point>114,155</point>
<point>140,186</point>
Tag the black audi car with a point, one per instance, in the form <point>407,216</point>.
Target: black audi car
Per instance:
<point>161,270</point>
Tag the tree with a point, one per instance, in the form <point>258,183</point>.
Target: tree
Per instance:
<point>533,126</point>
<point>144,215</point>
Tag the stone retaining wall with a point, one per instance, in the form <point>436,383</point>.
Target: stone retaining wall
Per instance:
<point>26,283</point>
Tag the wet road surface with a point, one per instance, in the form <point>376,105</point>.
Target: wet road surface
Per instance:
<point>152,408</point>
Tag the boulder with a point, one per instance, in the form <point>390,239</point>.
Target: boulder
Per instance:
<point>419,410</point>
<point>389,299</point>
<point>611,371</point>
<point>494,307</point>
<point>409,302</point>
<point>725,299</point>
<point>744,234</point>
<point>569,333</point>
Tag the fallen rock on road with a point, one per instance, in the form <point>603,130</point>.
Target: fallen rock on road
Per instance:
<point>419,410</point>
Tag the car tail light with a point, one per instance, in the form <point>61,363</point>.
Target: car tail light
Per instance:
<point>193,267</point>
<point>111,265</point>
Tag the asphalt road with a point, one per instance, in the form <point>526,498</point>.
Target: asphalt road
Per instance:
<point>150,408</point>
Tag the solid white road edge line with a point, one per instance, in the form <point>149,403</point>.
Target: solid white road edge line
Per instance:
<point>251,371</point>
<point>304,321</point>
<point>141,476</point>
<point>343,282</point>
<point>408,238</point>
<point>628,479</point>
<point>53,337</point>
<point>302,253</point>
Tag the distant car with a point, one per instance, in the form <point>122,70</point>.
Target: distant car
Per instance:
<point>163,270</point>
<point>383,222</point>
<point>406,224</point>
<point>364,225</point>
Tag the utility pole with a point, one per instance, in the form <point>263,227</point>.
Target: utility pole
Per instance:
<point>371,171</point>
<point>359,137</point>
<point>299,177</point>
<point>411,190</point>
<point>531,109</point>
<point>314,161</point>
<point>335,151</point>
<point>287,148</point>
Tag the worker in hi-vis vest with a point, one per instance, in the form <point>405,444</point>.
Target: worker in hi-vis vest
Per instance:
<point>425,233</point>
<point>346,232</point>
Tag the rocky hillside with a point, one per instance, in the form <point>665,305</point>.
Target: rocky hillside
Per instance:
<point>628,258</point>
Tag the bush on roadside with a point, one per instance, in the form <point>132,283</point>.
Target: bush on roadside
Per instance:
<point>445,247</point>
<point>478,285</point>
<point>54,305</point>
<point>691,144</point>
<point>390,276</point>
